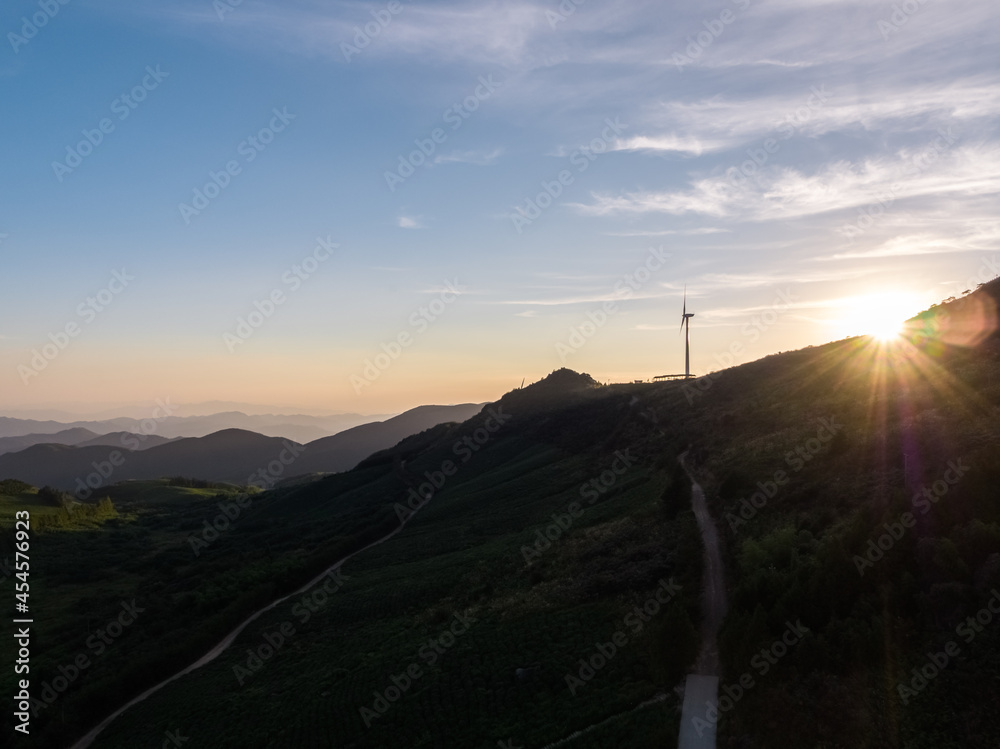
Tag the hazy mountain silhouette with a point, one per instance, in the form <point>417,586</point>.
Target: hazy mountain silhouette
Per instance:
<point>74,436</point>
<point>231,455</point>
<point>343,451</point>
<point>297,427</point>
<point>128,440</point>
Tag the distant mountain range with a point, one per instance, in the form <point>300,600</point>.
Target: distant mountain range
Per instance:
<point>231,455</point>
<point>345,450</point>
<point>82,438</point>
<point>298,427</point>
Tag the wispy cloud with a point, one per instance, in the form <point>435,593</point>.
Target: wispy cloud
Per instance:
<point>669,232</point>
<point>783,193</point>
<point>829,106</point>
<point>480,157</point>
<point>689,144</point>
<point>410,222</point>
<point>984,238</point>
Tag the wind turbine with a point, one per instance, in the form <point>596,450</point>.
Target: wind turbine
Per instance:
<point>686,326</point>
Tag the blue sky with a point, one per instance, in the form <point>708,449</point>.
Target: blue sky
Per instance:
<point>810,168</point>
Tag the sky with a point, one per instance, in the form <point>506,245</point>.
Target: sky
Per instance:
<point>368,206</point>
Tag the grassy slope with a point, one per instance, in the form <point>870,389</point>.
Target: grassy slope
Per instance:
<point>793,560</point>
<point>796,557</point>
<point>461,554</point>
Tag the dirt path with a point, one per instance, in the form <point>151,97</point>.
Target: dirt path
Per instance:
<point>714,604</point>
<point>702,687</point>
<point>654,700</point>
<point>216,651</point>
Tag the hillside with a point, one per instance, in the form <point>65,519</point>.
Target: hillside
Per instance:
<point>461,554</point>
<point>532,532</point>
<point>343,451</point>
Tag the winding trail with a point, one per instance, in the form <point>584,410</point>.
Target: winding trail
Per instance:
<point>654,700</point>
<point>701,690</point>
<point>216,651</point>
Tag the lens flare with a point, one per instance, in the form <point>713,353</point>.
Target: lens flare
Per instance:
<point>881,316</point>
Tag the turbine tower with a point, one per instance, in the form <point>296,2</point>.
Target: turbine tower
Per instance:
<point>686,327</point>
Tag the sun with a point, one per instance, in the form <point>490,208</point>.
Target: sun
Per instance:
<point>887,330</point>
<point>881,316</point>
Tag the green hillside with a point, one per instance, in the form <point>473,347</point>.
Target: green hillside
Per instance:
<point>462,554</point>
<point>468,628</point>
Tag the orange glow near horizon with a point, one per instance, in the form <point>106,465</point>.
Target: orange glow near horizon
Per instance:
<point>881,316</point>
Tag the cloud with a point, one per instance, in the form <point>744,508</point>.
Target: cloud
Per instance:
<point>817,109</point>
<point>981,238</point>
<point>485,32</point>
<point>784,193</point>
<point>690,145</point>
<point>410,222</point>
<point>481,157</point>
<point>670,232</point>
